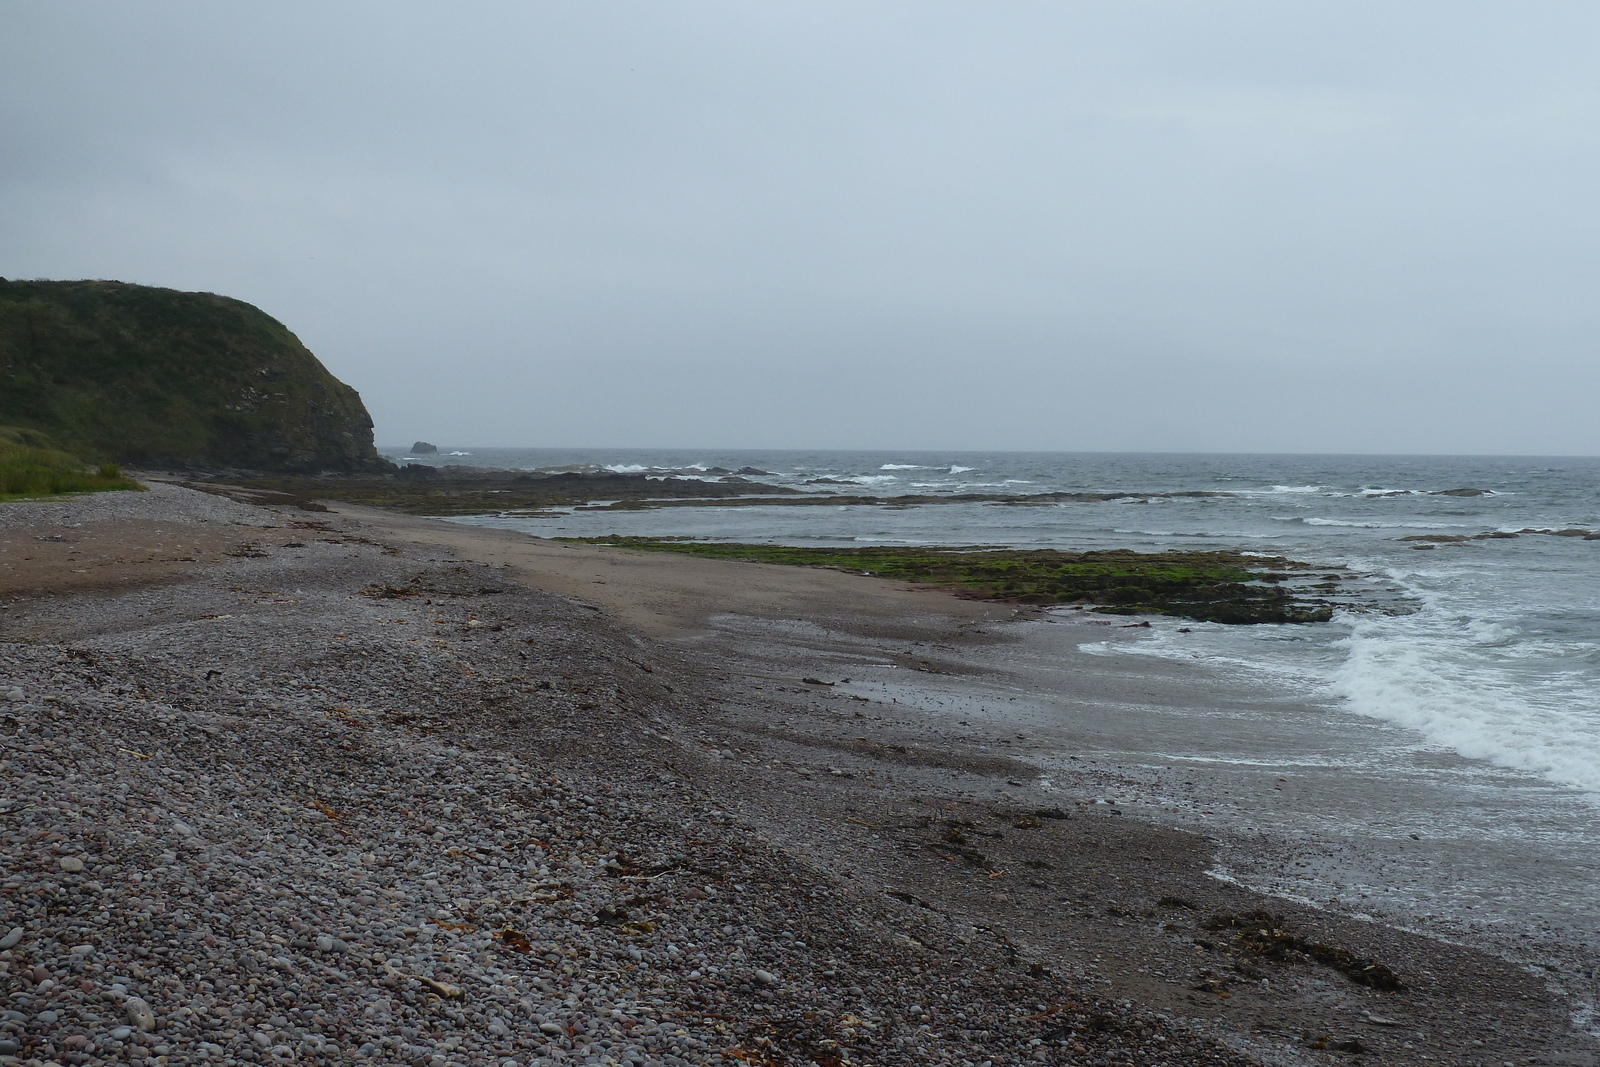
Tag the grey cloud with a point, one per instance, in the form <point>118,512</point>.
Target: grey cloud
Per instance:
<point>1228,226</point>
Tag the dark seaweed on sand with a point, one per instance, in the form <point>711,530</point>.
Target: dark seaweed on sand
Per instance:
<point>1263,936</point>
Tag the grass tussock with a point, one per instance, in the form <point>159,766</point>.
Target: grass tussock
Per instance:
<point>29,466</point>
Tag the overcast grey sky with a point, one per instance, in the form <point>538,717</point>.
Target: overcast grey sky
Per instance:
<point>1219,226</point>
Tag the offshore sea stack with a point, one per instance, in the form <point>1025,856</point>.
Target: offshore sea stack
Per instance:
<point>166,379</point>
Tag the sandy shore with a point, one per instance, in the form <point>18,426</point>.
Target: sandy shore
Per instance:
<point>679,598</point>
<point>360,786</point>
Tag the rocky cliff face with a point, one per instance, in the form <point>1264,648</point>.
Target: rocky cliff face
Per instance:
<point>161,378</point>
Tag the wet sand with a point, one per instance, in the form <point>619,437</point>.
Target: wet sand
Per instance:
<point>677,600</point>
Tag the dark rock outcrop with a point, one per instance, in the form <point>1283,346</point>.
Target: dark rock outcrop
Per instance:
<point>160,378</point>
<point>423,448</point>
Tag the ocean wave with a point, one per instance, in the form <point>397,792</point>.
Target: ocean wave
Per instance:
<point>907,467</point>
<point>1368,493</point>
<point>1467,685</point>
<point>961,470</point>
<point>1231,535</point>
<point>1218,647</point>
<point>1243,762</point>
<point>1353,524</point>
<point>1457,492</point>
<point>1284,490</point>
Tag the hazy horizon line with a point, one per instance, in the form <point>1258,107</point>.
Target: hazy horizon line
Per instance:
<point>1002,451</point>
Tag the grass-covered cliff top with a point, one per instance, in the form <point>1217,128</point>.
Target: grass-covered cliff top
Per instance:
<point>159,378</point>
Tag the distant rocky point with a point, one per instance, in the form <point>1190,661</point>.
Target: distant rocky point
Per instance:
<point>423,448</point>
<point>159,378</point>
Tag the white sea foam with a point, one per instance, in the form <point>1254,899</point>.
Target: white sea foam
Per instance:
<point>1373,525</point>
<point>1307,676</point>
<point>1477,687</point>
<point>1231,535</point>
<point>1242,762</point>
<point>961,470</point>
<point>1328,490</point>
<point>906,467</point>
<point>1457,681</point>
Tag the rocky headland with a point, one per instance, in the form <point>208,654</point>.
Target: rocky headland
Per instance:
<point>157,378</point>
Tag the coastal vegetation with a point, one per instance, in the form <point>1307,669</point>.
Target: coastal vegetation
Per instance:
<point>30,465</point>
<point>1226,587</point>
<point>159,378</point>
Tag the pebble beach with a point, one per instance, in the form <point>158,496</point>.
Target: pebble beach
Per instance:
<point>280,787</point>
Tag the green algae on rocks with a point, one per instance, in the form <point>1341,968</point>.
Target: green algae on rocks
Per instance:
<point>1221,586</point>
<point>152,377</point>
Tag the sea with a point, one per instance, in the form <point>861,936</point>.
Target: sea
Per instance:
<point>1477,681</point>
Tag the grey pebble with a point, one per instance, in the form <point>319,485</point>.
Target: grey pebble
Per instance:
<point>140,1015</point>
<point>12,938</point>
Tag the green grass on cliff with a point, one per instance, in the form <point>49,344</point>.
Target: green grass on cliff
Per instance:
<point>1228,587</point>
<point>159,378</point>
<point>30,467</point>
